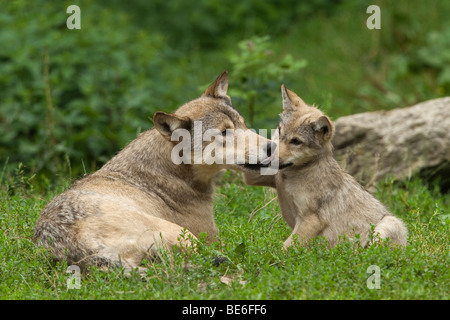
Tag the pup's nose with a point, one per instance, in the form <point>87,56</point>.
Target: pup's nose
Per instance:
<point>270,147</point>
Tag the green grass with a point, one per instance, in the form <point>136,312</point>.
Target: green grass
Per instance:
<point>256,266</point>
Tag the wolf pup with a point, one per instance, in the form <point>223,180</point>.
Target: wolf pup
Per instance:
<point>317,198</point>
<point>140,200</point>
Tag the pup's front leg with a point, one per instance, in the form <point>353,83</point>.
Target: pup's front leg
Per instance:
<point>305,229</point>
<point>256,179</point>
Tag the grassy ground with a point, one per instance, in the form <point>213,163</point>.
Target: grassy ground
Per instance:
<point>251,234</point>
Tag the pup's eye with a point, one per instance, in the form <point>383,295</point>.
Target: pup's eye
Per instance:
<point>296,142</point>
<point>224,132</point>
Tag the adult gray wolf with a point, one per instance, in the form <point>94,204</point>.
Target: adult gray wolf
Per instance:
<point>140,200</point>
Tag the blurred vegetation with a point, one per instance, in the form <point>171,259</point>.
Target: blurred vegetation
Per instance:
<point>258,77</point>
<point>70,99</point>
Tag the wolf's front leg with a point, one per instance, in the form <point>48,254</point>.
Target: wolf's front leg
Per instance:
<point>305,229</point>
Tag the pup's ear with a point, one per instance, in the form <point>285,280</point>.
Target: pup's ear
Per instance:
<point>219,87</point>
<point>291,101</point>
<point>166,123</point>
<point>324,128</point>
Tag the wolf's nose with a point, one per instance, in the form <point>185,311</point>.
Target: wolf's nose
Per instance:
<point>270,147</point>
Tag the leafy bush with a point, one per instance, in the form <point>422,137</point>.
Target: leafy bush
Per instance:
<point>208,23</point>
<point>259,77</point>
<point>72,93</point>
<point>412,64</point>
<point>436,55</point>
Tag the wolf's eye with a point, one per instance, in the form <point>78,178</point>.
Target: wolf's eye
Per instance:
<point>295,142</point>
<point>224,132</point>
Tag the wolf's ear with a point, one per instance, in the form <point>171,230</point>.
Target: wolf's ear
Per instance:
<point>166,123</point>
<point>324,128</point>
<point>291,101</point>
<point>219,87</point>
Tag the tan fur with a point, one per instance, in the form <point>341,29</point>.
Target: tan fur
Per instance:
<point>140,200</point>
<point>317,198</point>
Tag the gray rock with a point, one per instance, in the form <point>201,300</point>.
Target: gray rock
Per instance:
<point>399,143</point>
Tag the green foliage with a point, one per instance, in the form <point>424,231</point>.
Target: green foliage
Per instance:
<point>425,69</point>
<point>259,76</point>
<point>353,69</point>
<point>416,68</point>
<point>17,181</point>
<point>209,24</point>
<point>435,54</point>
<point>70,99</point>
<point>67,93</point>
